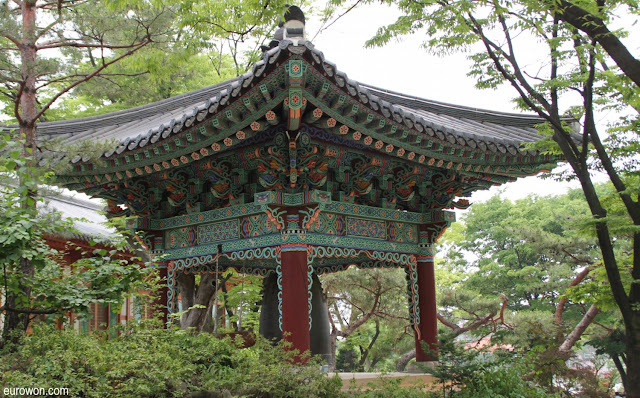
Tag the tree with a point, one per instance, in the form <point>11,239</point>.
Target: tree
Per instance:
<point>569,61</point>
<point>533,266</point>
<point>364,303</point>
<point>23,39</point>
<point>240,297</point>
<point>104,275</point>
<point>591,20</point>
<point>145,77</point>
<point>538,253</point>
<point>50,48</point>
<point>505,260</point>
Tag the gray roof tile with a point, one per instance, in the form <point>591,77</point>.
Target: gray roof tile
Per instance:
<point>148,123</point>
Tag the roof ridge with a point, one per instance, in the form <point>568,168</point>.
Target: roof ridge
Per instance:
<point>448,105</point>
<point>75,202</point>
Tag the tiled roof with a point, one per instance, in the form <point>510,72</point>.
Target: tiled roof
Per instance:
<point>127,124</point>
<point>89,222</point>
<point>139,126</point>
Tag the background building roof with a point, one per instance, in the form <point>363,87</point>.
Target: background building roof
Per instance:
<point>89,222</point>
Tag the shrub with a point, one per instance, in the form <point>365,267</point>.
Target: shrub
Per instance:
<point>478,373</point>
<point>153,362</point>
<point>388,388</point>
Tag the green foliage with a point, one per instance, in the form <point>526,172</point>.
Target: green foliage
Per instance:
<point>245,298</point>
<point>548,52</point>
<point>535,371</point>
<point>530,46</point>
<point>145,77</point>
<point>347,358</point>
<point>160,48</point>
<point>101,275</point>
<point>478,373</point>
<point>368,308</point>
<point>144,361</point>
<point>612,345</point>
<point>528,251</point>
<point>388,388</point>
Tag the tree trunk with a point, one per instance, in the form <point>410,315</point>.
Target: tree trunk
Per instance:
<point>632,331</point>
<point>208,322</point>
<point>626,303</point>
<point>17,323</point>
<point>621,370</point>
<point>364,352</point>
<point>332,351</point>
<point>563,301</point>
<point>632,326</point>
<point>195,318</point>
<point>187,288</point>
<point>216,321</point>
<point>404,360</point>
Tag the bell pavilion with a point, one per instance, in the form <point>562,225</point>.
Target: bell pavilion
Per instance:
<point>293,170</point>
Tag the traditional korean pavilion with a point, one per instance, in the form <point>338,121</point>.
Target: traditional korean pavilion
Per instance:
<point>294,170</point>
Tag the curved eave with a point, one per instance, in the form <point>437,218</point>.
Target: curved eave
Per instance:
<point>470,141</point>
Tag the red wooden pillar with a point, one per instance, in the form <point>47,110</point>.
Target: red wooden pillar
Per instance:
<point>428,319</point>
<point>428,325</point>
<point>295,293</point>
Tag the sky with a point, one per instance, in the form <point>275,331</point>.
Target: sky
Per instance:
<point>405,67</point>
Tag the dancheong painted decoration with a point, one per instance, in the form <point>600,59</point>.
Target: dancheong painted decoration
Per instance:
<point>294,170</point>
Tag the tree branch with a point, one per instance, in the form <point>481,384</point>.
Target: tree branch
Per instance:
<point>364,353</point>
<point>563,301</point>
<point>60,44</point>
<point>595,27</point>
<point>577,332</point>
<point>519,83</point>
<point>102,75</point>
<point>59,4</point>
<point>49,27</point>
<point>89,76</point>
<point>323,28</point>
<point>457,330</point>
<point>576,258</point>
<point>16,104</point>
<point>12,39</point>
